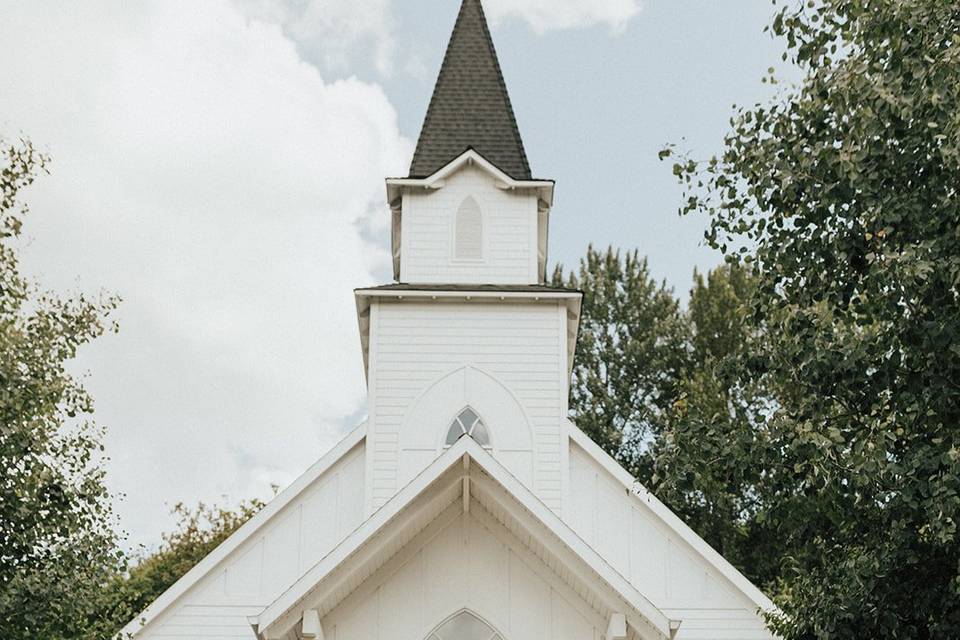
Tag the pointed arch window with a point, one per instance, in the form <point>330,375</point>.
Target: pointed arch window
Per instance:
<point>464,626</point>
<point>468,231</point>
<point>468,423</point>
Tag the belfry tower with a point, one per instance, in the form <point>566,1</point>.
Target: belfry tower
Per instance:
<point>467,506</point>
<point>469,325</point>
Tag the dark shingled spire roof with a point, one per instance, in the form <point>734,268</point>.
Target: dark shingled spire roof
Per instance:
<point>470,106</point>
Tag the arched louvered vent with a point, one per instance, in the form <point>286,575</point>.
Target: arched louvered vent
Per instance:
<point>468,423</point>
<point>464,626</point>
<point>468,236</point>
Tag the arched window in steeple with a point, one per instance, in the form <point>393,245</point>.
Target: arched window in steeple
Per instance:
<point>464,626</point>
<point>468,231</point>
<point>468,423</point>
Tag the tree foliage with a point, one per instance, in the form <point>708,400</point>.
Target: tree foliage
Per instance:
<point>58,547</point>
<point>630,353</point>
<point>657,386</point>
<point>842,196</point>
<point>704,460</point>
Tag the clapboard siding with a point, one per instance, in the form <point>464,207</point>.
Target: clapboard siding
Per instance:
<point>657,561</point>
<point>465,565</point>
<point>509,233</point>
<point>259,570</point>
<point>414,345</point>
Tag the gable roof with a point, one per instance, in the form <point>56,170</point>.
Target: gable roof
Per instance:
<point>426,499</point>
<point>671,520</point>
<point>180,588</point>
<point>470,107</point>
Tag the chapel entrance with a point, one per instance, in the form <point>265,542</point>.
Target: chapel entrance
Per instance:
<point>464,625</point>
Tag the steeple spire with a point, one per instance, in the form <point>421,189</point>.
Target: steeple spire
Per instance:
<point>470,106</point>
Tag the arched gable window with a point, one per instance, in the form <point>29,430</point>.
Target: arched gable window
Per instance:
<point>464,626</point>
<point>468,231</point>
<point>468,423</point>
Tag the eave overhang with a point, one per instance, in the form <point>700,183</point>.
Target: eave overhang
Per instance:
<point>464,475</point>
<point>683,531</point>
<point>250,528</point>
<point>571,299</point>
<point>470,157</point>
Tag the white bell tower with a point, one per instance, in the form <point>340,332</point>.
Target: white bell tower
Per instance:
<point>469,341</point>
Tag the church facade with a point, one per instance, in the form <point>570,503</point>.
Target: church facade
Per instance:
<point>467,506</point>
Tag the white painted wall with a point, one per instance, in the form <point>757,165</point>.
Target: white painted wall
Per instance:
<point>509,223</point>
<point>430,359</point>
<point>661,565</point>
<point>469,566</point>
<point>420,441</point>
<point>270,561</point>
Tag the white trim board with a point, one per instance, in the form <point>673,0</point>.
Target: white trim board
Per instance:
<point>283,613</point>
<point>470,157</point>
<point>670,519</point>
<point>241,535</point>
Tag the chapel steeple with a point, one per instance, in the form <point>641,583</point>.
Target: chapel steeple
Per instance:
<point>470,107</point>
<point>469,213</point>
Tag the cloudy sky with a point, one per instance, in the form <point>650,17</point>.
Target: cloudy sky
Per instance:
<point>220,166</point>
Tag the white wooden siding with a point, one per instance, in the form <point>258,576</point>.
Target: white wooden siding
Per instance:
<point>465,565</point>
<point>257,572</point>
<point>420,441</point>
<point>509,239</point>
<point>415,345</point>
<point>660,564</point>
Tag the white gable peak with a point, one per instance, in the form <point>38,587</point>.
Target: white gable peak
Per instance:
<point>469,223</point>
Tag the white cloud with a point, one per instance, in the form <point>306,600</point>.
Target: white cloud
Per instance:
<point>547,15</point>
<point>342,35</point>
<point>336,32</point>
<point>208,175</point>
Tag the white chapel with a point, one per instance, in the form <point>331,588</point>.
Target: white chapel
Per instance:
<point>467,506</point>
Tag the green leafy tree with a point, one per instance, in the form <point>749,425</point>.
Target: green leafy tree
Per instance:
<point>704,457</point>
<point>58,547</point>
<point>703,451</point>
<point>198,532</point>
<point>631,352</point>
<point>842,195</point>
<point>659,388</point>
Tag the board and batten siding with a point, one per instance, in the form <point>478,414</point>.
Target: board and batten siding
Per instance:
<point>661,565</point>
<point>464,566</point>
<point>266,564</point>
<point>508,246</point>
<point>513,355</point>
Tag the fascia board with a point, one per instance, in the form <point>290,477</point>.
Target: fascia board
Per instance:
<point>671,520</point>
<point>466,293</point>
<point>347,547</point>
<point>241,535</point>
<point>288,601</point>
<point>363,325</point>
<point>657,619</point>
<point>436,179</point>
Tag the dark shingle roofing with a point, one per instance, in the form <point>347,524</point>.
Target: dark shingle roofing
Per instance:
<point>470,106</point>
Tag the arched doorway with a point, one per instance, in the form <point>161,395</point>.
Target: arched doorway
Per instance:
<point>464,625</point>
